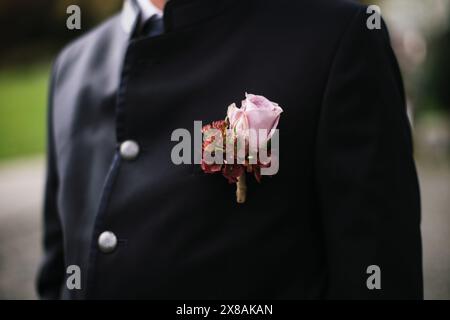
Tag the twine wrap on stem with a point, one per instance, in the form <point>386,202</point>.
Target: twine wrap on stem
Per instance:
<point>241,189</point>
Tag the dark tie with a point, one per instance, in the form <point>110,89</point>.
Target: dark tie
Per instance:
<point>153,26</point>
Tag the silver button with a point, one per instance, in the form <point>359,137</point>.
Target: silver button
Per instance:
<point>129,150</point>
<point>107,241</point>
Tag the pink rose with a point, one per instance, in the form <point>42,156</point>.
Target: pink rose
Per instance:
<point>256,113</point>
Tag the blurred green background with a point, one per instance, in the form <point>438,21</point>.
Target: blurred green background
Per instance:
<point>22,101</point>
<point>33,31</point>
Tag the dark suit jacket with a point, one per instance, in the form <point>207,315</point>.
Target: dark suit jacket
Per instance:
<point>346,195</point>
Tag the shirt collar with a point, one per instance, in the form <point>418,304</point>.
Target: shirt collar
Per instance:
<point>148,9</point>
<point>129,15</point>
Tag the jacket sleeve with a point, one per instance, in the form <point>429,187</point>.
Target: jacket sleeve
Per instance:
<point>366,177</point>
<point>51,272</point>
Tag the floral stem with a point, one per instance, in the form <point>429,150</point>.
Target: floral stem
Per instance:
<point>241,189</point>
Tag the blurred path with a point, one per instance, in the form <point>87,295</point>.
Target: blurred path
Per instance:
<point>20,213</point>
<point>435,188</point>
<point>21,184</point>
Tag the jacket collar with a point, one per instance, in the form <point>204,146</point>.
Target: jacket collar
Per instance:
<point>177,13</point>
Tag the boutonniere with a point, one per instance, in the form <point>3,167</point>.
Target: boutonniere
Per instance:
<point>246,141</point>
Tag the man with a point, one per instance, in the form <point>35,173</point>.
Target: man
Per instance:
<point>341,218</point>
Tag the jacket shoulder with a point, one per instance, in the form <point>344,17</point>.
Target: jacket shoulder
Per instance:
<point>289,7</point>
<point>84,45</point>
<point>317,15</point>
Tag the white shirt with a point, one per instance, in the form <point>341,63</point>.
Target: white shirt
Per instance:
<point>148,9</point>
